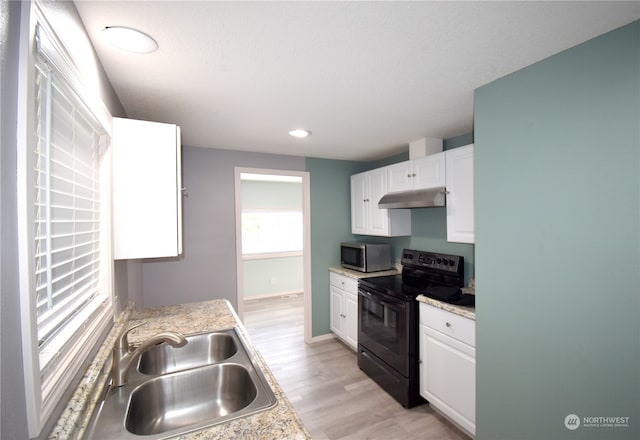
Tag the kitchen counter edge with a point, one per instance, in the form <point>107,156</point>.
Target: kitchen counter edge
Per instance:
<point>467,312</point>
<point>358,275</point>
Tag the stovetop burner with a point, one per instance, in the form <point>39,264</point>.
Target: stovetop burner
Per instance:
<point>439,276</point>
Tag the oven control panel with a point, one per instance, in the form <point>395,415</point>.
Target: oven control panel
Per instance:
<point>430,260</point>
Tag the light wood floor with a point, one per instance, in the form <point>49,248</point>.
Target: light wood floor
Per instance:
<point>334,399</point>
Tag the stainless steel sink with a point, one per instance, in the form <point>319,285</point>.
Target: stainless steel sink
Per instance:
<point>182,399</point>
<point>202,349</point>
<point>160,405</point>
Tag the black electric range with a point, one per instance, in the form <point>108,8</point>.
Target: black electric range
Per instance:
<point>388,318</point>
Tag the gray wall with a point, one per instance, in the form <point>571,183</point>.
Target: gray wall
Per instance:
<point>558,244</point>
<point>12,398</point>
<point>207,269</point>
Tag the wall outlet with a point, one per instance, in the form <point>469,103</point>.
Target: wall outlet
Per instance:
<point>274,281</point>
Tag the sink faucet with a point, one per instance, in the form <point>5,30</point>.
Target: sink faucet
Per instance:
<point>124,353</point>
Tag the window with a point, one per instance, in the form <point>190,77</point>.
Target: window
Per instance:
<point>269,231</point>
<point>271,215</point>
<point>66,210</point>
<point>65,233</point>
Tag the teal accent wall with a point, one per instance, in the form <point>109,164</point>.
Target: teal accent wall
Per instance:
<point>558,244</point>
<point>457,141</point>
<point>330,225</point>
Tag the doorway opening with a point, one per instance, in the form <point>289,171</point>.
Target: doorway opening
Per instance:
<point>273,237</point>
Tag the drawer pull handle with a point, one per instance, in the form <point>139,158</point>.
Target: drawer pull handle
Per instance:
<point>448,324</point>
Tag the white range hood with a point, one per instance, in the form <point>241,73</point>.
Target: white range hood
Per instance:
<point>417,198</point>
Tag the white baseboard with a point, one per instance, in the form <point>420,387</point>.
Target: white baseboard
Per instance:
<point>273,295</point>
<point>322,338</point>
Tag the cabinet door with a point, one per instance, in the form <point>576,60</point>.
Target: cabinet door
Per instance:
<point>460,195</point>
<point>336,315</point>
<point>378,218</point>
<point>429,171</point>
<point>359,204</point>
<point>400,177</point>
<point>147,198</point>
<point>447,376</point>
<point>351,320</point>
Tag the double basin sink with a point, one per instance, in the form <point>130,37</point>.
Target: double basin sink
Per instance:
<point>172,391</point>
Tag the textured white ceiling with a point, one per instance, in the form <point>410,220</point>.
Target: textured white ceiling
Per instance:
<point>365,77</point>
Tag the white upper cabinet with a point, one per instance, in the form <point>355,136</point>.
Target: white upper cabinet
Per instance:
<point>425,172</point>
<point>366,218</point>
<point>460,194</point>
<point>147,189</point>
<point>359,204</point>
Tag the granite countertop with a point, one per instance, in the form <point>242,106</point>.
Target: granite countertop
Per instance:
<point>467,312</point>
<point>279,422</point>
<point>357,275</point>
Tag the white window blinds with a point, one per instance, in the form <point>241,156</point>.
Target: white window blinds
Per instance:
<point>67,231</point>
<point>64,233</point>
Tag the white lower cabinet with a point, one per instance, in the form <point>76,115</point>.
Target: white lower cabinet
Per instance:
<point>448,365</point>
<point>343,300</point>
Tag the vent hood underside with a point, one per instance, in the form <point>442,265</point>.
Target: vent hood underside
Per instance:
<point>423,198</point>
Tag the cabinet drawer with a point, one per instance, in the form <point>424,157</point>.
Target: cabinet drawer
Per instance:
<point>450,324</point>
<point>343,282</point>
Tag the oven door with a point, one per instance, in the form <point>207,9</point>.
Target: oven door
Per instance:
<point>383,328</point>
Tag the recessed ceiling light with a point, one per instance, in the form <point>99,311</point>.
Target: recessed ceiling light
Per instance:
<point>300,133</point>
<point>129,39</point>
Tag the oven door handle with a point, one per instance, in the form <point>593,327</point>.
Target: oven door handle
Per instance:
<point>366,294</point>
<point>382,299</point>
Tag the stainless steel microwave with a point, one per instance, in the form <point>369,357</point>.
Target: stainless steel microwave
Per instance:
<point>365,257</point>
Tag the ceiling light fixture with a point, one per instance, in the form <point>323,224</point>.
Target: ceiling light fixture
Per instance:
<point>129,39</point>
<point>300,133</point>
